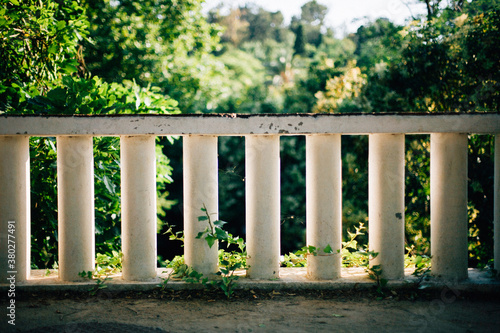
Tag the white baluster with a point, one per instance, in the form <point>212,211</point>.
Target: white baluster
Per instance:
<point>386,204</point>
<point>324,205</point>
<point>138,178</point>
<point>449,219</point>
<point>75,193</point>
<point>14,208</point>
<point>200,189</point>
<point>262,164</point>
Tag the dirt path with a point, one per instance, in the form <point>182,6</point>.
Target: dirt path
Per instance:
<point>254,312</point>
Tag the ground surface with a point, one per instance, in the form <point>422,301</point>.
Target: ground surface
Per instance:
<point>256,311</point>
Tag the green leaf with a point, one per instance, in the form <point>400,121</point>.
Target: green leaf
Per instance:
<point>328,249</point>
<point>241,244</point>
<point>219,223</point>
<point>109,185</point>
<point>210,240</point>
<point>61,25</point>
<point>202,218</point>
<point>221,234</point>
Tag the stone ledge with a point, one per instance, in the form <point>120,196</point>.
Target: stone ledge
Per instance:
<point>290,279</point>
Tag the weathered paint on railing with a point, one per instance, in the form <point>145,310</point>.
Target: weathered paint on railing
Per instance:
<point>237,124</point>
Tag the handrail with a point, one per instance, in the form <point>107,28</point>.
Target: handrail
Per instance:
<point>243,124</point>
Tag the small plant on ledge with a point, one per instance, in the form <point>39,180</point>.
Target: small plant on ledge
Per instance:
<point>105,266</point>
<point>229,261</point>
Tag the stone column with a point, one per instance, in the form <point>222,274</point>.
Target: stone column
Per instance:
<point>138,177</point>
<point>75,193</point>
<point>200,189</point>
<point>262,164</point>
<point>449,219</point>
<point>14,208</point>
<point>386,202</point>
<point>324,205</point>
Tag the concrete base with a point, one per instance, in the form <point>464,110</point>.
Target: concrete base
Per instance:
<point>290,279</point>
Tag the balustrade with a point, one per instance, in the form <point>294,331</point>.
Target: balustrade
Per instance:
<point>448,198</point>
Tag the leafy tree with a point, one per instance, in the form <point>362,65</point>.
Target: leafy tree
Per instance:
<point>235,26</point>
<point>340,90</point>
<point>157,42</point>
<point>299,48</point>
<point>244,80</point>
<point>451,63</point>
<point>379,41</point>
<point>262,24</point>
<point>339,50</point>
<point>432,8</point>
<point>313,13</point>
<point>311,19</point>
<point>39,42</point>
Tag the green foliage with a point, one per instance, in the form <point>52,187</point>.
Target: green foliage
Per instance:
<point>182,271</point>
<point>262,25</point>
<point>417,198</point>
<point>299,258</point>
<point>108,264</point>
<point>377,42</point>
<point>93,96</point>
<point>340,90</point>
<point>244,75</point>
<point>38,44</point>
<point>375,273</point>
<point>481,197</point>
<point>293,193</point>
<point>451,62</point>
<point>340,51</point>
<point>421,263</point>
<point>105,265</point>
<point>354,255</point>
<point>214,231</point>
<point>137,40</point>
<point>178,266</point>
<point>299,48</point>
<point>176,236</point>
<point>294,260</point>
<point>166,43</point>
<point>229,261</point>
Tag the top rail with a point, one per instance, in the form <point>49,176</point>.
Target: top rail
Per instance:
<point>244,124</point>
